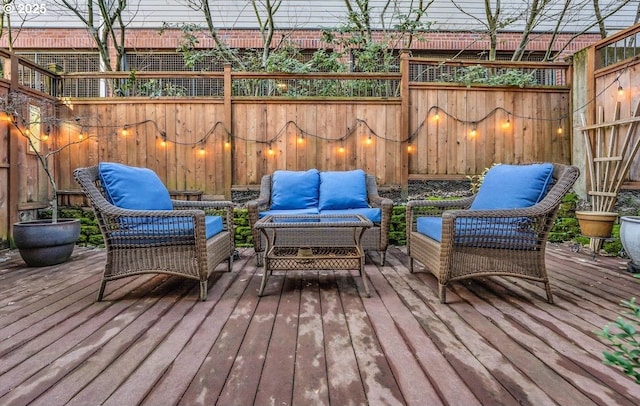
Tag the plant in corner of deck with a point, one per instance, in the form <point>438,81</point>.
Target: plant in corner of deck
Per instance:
<point>34,119</point>
<point>623,336</point>
<point>476,180</point>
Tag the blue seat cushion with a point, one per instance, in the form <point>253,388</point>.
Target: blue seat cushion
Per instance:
<point>513,186</point>
<point>430,226</point>
<point>294,189</point>
<point>130,187</point>
<point>372,213</point>
<point>310,210</point>
<point>509,233</point>
<point>343,190</point>
<point>166,230</point>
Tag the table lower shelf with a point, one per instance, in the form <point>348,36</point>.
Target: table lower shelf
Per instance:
<point>281,258</point>
<point>294,258</point>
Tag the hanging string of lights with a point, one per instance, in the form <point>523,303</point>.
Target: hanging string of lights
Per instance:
<point>434,113</point>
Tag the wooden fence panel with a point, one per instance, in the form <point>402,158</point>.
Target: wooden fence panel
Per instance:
<point>368,131</point>
<point>447,146</point>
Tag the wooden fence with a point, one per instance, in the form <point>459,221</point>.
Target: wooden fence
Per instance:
<point>398,126</point>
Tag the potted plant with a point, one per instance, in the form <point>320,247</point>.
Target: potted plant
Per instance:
<point>46,241</point>
<point>630,238</point>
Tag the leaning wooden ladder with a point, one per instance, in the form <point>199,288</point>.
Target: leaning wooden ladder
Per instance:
<point>610,152</point>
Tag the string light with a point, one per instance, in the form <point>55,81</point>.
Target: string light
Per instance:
<point>620,88</point>
<point>202,150</point>
<point>507,123</point>
<point>474,131</point>
<point>301,134</point>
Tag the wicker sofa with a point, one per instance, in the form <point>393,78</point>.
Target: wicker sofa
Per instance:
<point>316,192</point>
<point>502,230</point>
<point>145,231</point>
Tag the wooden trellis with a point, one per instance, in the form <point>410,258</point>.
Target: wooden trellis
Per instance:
<point>610,147</point>
<point>610,152</point>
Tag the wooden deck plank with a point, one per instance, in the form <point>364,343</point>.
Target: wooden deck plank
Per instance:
<point>415,386</point>
<point>276,383</point>
<point>377,377</point>
<point>173,384</point>
<point>345,385</point>
<point>207,384</point>
<point>419,290</point>
<point>444,378</point>
<point>242,382</point>
<point>310,377</point>
<point>313,338</point>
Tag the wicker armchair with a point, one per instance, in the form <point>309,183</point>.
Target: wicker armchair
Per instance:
<point>375,238</point>
<point>476,243</point>
<point>169,242</point>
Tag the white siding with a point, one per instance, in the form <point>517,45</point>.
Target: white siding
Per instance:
<point>314,14</point>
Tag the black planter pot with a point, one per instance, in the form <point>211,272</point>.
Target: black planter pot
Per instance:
<point>43,243</point>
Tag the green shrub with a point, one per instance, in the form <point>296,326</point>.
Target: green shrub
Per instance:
<point>623,336</point>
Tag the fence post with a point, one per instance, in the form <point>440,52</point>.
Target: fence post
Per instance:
<point>404,123</point>
<point>228,127</point>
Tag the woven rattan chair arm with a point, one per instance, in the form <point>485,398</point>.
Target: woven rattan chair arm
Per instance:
<point>379,201</point>
<point>202,204</point>
<point>207,206</point>
<point>462,203</point>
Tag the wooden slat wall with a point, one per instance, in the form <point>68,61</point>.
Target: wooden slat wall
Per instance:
<point>440,148</point>
<point>445,147</point>
<point>325,126</point>
<point>179,164</point>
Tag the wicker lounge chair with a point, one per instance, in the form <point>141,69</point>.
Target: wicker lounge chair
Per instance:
<point>172,241</point>
<point>474,243</point>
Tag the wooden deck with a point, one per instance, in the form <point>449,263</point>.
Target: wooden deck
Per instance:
<point>312,340</point>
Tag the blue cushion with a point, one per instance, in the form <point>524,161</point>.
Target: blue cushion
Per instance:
<point>294,189</point>
<point>509,233</point>
<point>213,225</point>
<point>343,190</point>
<point>430,226</point>
<point>513,186</point>
<point>166,230</point>
<point>134,188</point>
<point>372,213</point>
<point>310,210</point>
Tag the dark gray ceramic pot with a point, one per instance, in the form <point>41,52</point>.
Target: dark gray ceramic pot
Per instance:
<point>43,243</point>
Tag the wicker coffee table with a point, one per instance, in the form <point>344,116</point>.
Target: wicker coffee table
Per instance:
<point>301,251</point>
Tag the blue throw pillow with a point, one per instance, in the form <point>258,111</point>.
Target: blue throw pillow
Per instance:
<point>129,187</point>
<point>343,190</point>
<point>294,189</point>
<point>513,186</point>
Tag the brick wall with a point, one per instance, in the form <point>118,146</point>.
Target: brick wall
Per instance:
<point>144,39</point>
